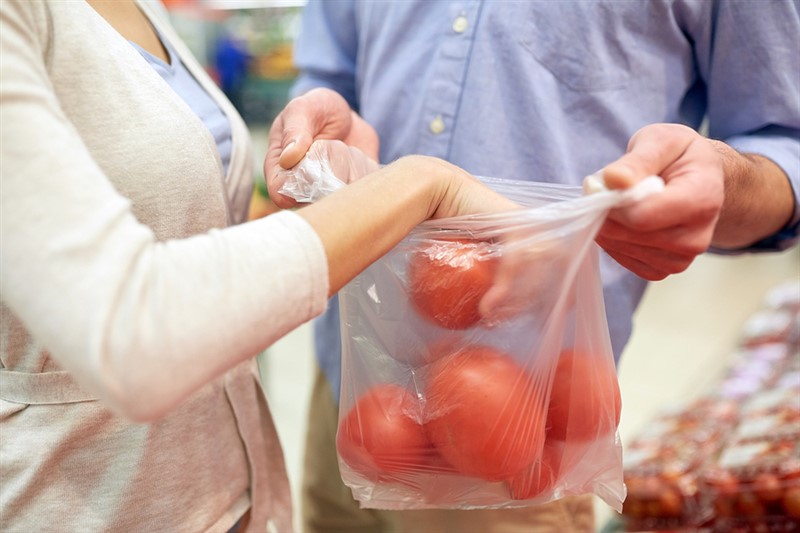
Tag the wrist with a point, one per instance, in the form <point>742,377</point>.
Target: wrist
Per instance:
<point>435,179</point>
<point>758,199</point>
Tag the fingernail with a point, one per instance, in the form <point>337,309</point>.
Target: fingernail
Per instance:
<point>287,148</point>
<point>619,168</point>
<point>618,175</point>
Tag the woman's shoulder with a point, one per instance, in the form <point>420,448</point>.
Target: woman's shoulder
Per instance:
<point>23,17</point>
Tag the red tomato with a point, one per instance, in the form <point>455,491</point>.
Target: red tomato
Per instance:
<point>382,435</point>
<point>670,502</point>
<point>447,280</point>
<point>642,492</point>
<point>483,414</point>
<point>791,502</point>
<point>748,504</point>
<point>541,476</point>
<point>585,402</point>
<point>724,489</point>
<point>768,488</point>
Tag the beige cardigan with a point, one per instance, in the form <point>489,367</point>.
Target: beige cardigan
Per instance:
<point>129,399</point>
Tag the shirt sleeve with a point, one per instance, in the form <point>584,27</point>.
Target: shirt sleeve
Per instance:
<point>747,56</point>
<point>140,323</point>
<point>326,49</point>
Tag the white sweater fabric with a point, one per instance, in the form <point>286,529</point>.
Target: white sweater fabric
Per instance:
<point>132,306</point>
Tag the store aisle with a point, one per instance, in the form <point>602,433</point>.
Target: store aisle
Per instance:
<point>685,332</point>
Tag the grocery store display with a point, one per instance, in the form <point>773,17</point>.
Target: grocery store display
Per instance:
<point>662,465</point>
<point>729,461</point>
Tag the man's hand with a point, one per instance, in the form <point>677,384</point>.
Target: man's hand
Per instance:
<point>327,166</point>
<point>662,234</point>
<point>318,114</point>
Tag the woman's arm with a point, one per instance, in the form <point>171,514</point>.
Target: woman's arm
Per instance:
<point>361,222</point>
<point>142,323</point>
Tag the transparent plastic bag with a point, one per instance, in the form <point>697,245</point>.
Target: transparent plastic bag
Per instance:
<point>327,166</point>
<point>446,406</point>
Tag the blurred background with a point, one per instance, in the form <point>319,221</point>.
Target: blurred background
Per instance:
<point>710,380</point>
<point>246,47</point>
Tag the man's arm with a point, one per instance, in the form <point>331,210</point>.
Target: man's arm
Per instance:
<point>739,193</point>
<point>714,196</point>
<point>759,201</point>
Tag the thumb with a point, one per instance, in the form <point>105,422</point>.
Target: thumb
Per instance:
<point>296,139</point>
<point>293,151</point>
<point>619,174</point>
<point>650,151</point>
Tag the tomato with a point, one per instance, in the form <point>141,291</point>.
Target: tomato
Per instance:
<point>670,502</point>
<point>724,489</point>
<point>768,488</point>
<point>483,414</point>
<point>585,401</point>
<point>642,491</point>
<point>541,476</point>
<point>748,504</point>
<point>791,502</point>
<point>382,434</point>
<point>447,280</point>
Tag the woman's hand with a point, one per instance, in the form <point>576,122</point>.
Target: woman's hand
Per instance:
<point>359,223</point>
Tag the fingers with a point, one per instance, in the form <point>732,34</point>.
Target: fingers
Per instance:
<point>500,301</point>
<point>673,260</point>
<point>651,150</point>
<point>294,150</point>
<point>693,201</point>
<point>653,266</point>
<point>662,234</point>
<point>272,166</point>
<point>319,114</point>
<point>693,174</point>
<point>301,121</point>
<point>680,239</point>
<point>529,277</point>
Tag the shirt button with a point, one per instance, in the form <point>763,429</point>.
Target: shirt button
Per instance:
<point>437,125</point>
<point>460,24</point>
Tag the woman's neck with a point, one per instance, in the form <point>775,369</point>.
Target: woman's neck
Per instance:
<point>126,17</point>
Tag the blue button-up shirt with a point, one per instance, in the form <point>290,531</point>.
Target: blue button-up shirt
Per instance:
<point>552,91</point>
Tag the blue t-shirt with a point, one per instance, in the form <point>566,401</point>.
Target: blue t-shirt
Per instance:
<point>183,83</point>
<point>552,91</point>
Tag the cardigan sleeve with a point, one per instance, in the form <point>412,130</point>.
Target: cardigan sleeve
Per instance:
<point>142,324</point>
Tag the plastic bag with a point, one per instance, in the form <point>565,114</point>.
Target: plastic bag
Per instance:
<point>327,166</point>
<point>445,406</point>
